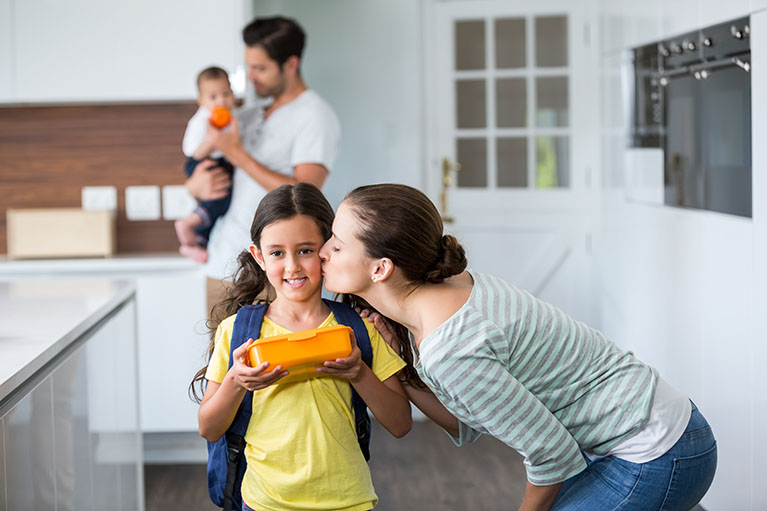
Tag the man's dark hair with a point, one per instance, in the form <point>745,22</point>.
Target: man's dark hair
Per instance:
<point>280,37</point>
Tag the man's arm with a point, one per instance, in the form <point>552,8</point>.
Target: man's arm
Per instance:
<point>206,184</point>
<point>228,142</point>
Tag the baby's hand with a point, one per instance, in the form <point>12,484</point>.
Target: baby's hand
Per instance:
<point>349,367</point>
<point>253,378</point>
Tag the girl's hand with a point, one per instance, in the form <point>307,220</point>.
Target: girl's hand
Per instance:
<point>383,326</point>
<point>349,367</point>
<point>253,378</point>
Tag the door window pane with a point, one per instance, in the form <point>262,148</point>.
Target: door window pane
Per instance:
<point>469,45</point>
<point>512,161</point>
<point>552,106</point>
<point>510,47</point>
<point>470,103</point>
<point>552,162</point>
<point>472,154</point>
<point>551,41</point>
<point>511,102</point>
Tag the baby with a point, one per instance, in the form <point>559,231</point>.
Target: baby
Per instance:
<point>214,91</point>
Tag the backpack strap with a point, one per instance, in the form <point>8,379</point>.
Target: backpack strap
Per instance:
<point>345,315</point>
<point>246,323</point>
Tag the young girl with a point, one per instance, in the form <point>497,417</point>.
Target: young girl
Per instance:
<point>599,429</point>
<point>301,444</point>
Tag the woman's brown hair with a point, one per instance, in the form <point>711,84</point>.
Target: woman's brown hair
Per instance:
<point>249,280</point>
<point>401,223</point>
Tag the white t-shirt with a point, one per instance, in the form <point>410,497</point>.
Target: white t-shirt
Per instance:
<point>306,130</point>
<point>195,133</point>
<point>669,416</point>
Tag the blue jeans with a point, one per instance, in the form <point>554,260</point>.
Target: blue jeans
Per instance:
<point>674,482</point>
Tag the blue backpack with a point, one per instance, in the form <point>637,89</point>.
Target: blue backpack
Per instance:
<point>226,458</point>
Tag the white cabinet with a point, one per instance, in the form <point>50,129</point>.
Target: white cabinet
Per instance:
<point>172,338</point>
<point>95,50</point>
<point>72,440</point>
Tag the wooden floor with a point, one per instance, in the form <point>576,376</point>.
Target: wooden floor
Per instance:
<point>421,472</point>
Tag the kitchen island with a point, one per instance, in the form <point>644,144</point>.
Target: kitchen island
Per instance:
<point>172,338</point>
<point>69,411</point>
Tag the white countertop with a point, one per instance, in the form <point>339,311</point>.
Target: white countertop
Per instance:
<point>40,318</point>
<point>122,263</point>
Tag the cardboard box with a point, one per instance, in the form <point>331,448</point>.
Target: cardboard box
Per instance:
<point>60,232</point>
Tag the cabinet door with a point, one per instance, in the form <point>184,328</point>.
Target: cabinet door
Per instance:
<point>93,50</point>
<point>172,340</point>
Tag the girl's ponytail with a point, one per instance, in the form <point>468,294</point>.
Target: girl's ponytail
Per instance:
<point>248,283</point>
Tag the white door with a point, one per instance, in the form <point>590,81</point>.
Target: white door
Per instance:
<point>511,98</point>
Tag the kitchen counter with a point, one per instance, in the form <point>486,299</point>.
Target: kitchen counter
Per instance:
<point>39,319</point>
<point>123,263</point>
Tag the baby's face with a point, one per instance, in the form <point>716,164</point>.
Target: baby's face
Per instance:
<point>216,93</point>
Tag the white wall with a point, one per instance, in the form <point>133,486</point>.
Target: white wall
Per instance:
<point>364,59</point>
<point>684,289</point>
<point>105,50</point>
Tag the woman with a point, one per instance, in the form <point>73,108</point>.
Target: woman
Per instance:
<point>598,428</point>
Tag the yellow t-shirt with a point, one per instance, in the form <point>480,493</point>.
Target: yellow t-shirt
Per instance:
<point>302,448</point>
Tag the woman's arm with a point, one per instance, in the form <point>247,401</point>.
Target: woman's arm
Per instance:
<point>221,400</point>
<point>428,403</point>
<point>386,399</point>
<point>539,498</point>
<point>423,398</point>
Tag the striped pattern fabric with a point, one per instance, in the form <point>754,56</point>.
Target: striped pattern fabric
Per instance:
<point>519,369</point>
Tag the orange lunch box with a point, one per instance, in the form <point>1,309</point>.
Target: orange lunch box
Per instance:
<point>301,352</point>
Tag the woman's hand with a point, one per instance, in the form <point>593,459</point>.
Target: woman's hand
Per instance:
<point>349,367</point>
<point>383,326</point>
<point>253,378</point>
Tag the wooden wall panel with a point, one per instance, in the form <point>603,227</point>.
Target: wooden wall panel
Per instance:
<point>48,153</point>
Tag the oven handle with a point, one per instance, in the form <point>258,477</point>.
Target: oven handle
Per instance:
<point>701,71</point>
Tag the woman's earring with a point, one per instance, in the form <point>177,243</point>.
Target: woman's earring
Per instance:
<point>373,278</point>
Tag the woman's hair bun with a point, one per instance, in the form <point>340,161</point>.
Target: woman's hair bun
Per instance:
<point>451,260</point>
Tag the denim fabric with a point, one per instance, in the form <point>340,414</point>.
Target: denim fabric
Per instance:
<point>676,481</point>
<point>211,209</point>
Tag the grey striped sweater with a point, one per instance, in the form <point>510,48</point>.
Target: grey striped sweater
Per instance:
<point>519,369</point>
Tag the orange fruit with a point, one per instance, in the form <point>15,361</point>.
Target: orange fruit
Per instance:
<point>220,117</point>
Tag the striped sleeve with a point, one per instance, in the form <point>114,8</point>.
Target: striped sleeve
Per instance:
<point>494,402</point>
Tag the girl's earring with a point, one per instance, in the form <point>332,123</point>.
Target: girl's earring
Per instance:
<point>374,278</point>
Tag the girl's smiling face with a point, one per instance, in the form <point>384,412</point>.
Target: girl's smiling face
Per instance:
<point>345,263</point>
<point>289,255</point>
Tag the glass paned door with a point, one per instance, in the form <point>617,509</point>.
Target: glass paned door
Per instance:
<point>512,102</point>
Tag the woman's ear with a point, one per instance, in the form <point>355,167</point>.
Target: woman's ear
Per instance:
<point>257,255</point>
<point>382,269</point>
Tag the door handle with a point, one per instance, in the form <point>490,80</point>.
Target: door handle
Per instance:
<point>448,167</point>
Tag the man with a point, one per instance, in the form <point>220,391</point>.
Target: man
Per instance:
<point>293,138</point>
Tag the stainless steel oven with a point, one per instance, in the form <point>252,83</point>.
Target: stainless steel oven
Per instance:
<point>692,99</point>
